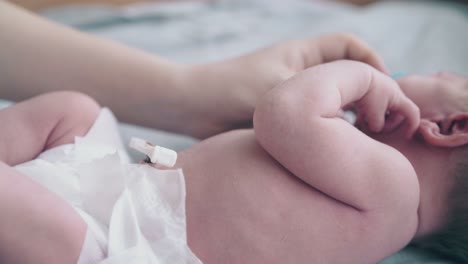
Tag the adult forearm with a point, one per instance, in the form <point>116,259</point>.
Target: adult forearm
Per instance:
<point>40,56</point>
<point>41,4</point>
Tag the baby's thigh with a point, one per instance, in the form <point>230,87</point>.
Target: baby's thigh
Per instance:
<point>43,113</point>
<point>36,225</point>
<point>43,122</point>
<point>76,113</point>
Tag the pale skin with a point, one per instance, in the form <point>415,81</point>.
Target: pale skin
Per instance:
<point>273,217</point>
<point>36,224</point>
<point>242,188</point>
<point>364,193</point>
<point>40,56</point>
<point>354,190</point>
<point>166,92</point>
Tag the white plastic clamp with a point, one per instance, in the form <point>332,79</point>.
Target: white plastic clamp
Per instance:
<point>156,154</point>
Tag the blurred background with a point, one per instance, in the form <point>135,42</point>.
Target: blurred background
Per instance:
<point>411,36</point>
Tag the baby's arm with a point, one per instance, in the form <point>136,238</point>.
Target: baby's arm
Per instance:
<point>297,124</point>
<point>36,225</point>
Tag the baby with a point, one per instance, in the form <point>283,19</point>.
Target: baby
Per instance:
<point>303,186</point>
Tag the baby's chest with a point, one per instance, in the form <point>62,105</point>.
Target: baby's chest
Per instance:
<point>260,210</point>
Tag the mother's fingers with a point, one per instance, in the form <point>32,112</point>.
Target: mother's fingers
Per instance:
<point>343,46</point>
<point>360,51</point>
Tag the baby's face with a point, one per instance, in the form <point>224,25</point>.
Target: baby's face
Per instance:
<point>437,95</point>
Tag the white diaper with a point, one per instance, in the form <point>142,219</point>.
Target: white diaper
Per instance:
<point>134,213</point>
<point>93,250</point>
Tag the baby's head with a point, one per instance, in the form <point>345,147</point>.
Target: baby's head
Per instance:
<point>443,101</point>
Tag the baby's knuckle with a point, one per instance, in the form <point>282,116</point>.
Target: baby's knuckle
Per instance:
<point>348,37</point>
<point>417,111</point>
<point>77,104</point>
<point>288,45</point>
<point>342,35</point>
<point>78,100</point>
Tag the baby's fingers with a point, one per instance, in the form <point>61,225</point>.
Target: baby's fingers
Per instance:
<point>392,121</point>
<point>410,112</point>
<point>344,46</point>
<point>373,115</point>
<point>413,117</point>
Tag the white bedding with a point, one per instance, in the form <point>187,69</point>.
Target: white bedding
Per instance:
<point>412,36</point>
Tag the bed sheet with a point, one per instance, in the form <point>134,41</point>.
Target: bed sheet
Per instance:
<point>411,36</point>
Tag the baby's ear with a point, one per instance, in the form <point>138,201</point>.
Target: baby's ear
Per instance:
<point>450,131</point>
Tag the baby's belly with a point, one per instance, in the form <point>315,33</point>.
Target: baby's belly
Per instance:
<point>244,207</point>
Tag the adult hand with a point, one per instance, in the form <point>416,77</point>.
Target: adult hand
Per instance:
<point>141,88</point>
<point>223,95</point>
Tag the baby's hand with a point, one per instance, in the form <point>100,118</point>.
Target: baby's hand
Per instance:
<point>385,107</point>
<point>379,102</point>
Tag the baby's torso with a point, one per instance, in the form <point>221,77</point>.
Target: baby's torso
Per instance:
<point>244,207</point>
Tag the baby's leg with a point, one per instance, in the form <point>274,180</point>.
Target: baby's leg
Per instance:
<point>32,126</point>
<point>36,225</point>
